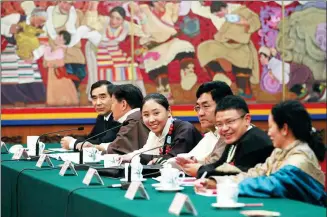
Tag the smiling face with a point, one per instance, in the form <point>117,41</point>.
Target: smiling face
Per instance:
<point>205,108</point>
<point>232,124</point>
<point>116,20</point>
<point>101,100</point>
<point>155,116</point>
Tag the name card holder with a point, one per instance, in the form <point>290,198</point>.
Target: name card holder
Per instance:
<point>89,175</point>
<point>64,168</point>
<point>20,154</point>
<point>179,202</point>
<point>134,188</point>
<point>43,158</point>
<point>4,146</point>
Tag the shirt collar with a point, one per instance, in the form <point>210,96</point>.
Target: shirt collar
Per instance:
<point>166,128</point>
<point>106,118</point>
<point>124,117</point>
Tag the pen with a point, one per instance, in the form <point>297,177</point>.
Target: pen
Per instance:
<point>114,186</point>
<point>254,204</point>
<point>204,175</point>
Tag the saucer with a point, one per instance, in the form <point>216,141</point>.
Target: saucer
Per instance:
<point>156,185</point>
<point>169,189</point>
<point>125,180</point>
<point>228,206</point>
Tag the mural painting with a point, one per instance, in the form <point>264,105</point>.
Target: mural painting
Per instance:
<point>52,51</point>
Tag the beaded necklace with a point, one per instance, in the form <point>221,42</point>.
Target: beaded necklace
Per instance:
<point>168,140</point>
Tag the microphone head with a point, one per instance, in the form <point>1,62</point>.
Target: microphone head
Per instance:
<point>80,128</point>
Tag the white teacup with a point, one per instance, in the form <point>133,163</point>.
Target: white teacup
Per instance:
<point>31,145</point>
<point>111,160</point>
<point>91,155</point>
<point>136,172</point>
<point>227,192</point>
<point>170,177</point>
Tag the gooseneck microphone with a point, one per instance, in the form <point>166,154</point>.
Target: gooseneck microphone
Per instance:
<point>37,145</point>
<point>81,150</point>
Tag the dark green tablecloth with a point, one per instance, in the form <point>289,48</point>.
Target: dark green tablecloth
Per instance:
<point>43,192</point>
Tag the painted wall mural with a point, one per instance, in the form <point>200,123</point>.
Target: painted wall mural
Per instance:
<point>52,51</point>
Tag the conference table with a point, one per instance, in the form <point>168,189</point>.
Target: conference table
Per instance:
<point>27,190</point>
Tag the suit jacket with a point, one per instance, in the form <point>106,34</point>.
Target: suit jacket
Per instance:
<point>100,126</point>
<point>252,148</point>
<point>131,136</point>
<point>184,138</point>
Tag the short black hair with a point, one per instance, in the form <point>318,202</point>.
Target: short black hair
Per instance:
<point>66,35</point>
<point>217,89</point>
<point>298,120</point>
<point>158,98</point>
<point>119,10</point>
<point>216,6</point>
<point>130,93</point>
<point>99,84</point>
<point>233,102</point>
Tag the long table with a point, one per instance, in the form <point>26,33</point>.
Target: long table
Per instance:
<point>30,191</point>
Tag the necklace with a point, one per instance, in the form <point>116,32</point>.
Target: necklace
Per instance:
<point>168,140</point>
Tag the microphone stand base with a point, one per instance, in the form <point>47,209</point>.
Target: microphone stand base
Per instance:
<point>81,167</point>
<point>34,158</point>
<point>125,185</point>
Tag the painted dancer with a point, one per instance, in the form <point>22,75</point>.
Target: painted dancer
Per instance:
<point>107,60</point>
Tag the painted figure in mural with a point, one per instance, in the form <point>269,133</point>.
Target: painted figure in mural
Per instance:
<point>304,37</point>
<point>64,16</point>
<point>297,77</point>
<point>61,90</point>
<point>231,53</point>
<point>26,38</point>
<point>157,19</point>
<point>106,60</point>
<point>21,80</point>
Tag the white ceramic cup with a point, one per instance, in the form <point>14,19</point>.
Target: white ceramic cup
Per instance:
<point>227,192</point>
<point>91,155</point>
<point>111,160</point>
<point>170,177</point>
<point>136,172</point>
<point>31,144</point>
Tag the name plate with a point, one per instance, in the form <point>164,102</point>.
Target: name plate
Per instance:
<point>89,175</point>
<point>4,146</point>
<point>134,188</point>
<point>64,168</point>
<point>20,154</point>
<point>43,158</point>
<point>180,200</point>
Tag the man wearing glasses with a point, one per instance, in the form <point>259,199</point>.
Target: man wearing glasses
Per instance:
<point>247,145</point>
<point>210,148</point>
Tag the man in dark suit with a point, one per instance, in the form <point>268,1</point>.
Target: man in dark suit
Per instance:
<point>101,101</point>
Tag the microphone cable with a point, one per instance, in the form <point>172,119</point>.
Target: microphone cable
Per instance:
<point>79,188</point>
<point>21,172</point>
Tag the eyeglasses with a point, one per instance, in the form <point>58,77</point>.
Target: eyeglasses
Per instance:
<point>205,108</point>
<point>229,123</point>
